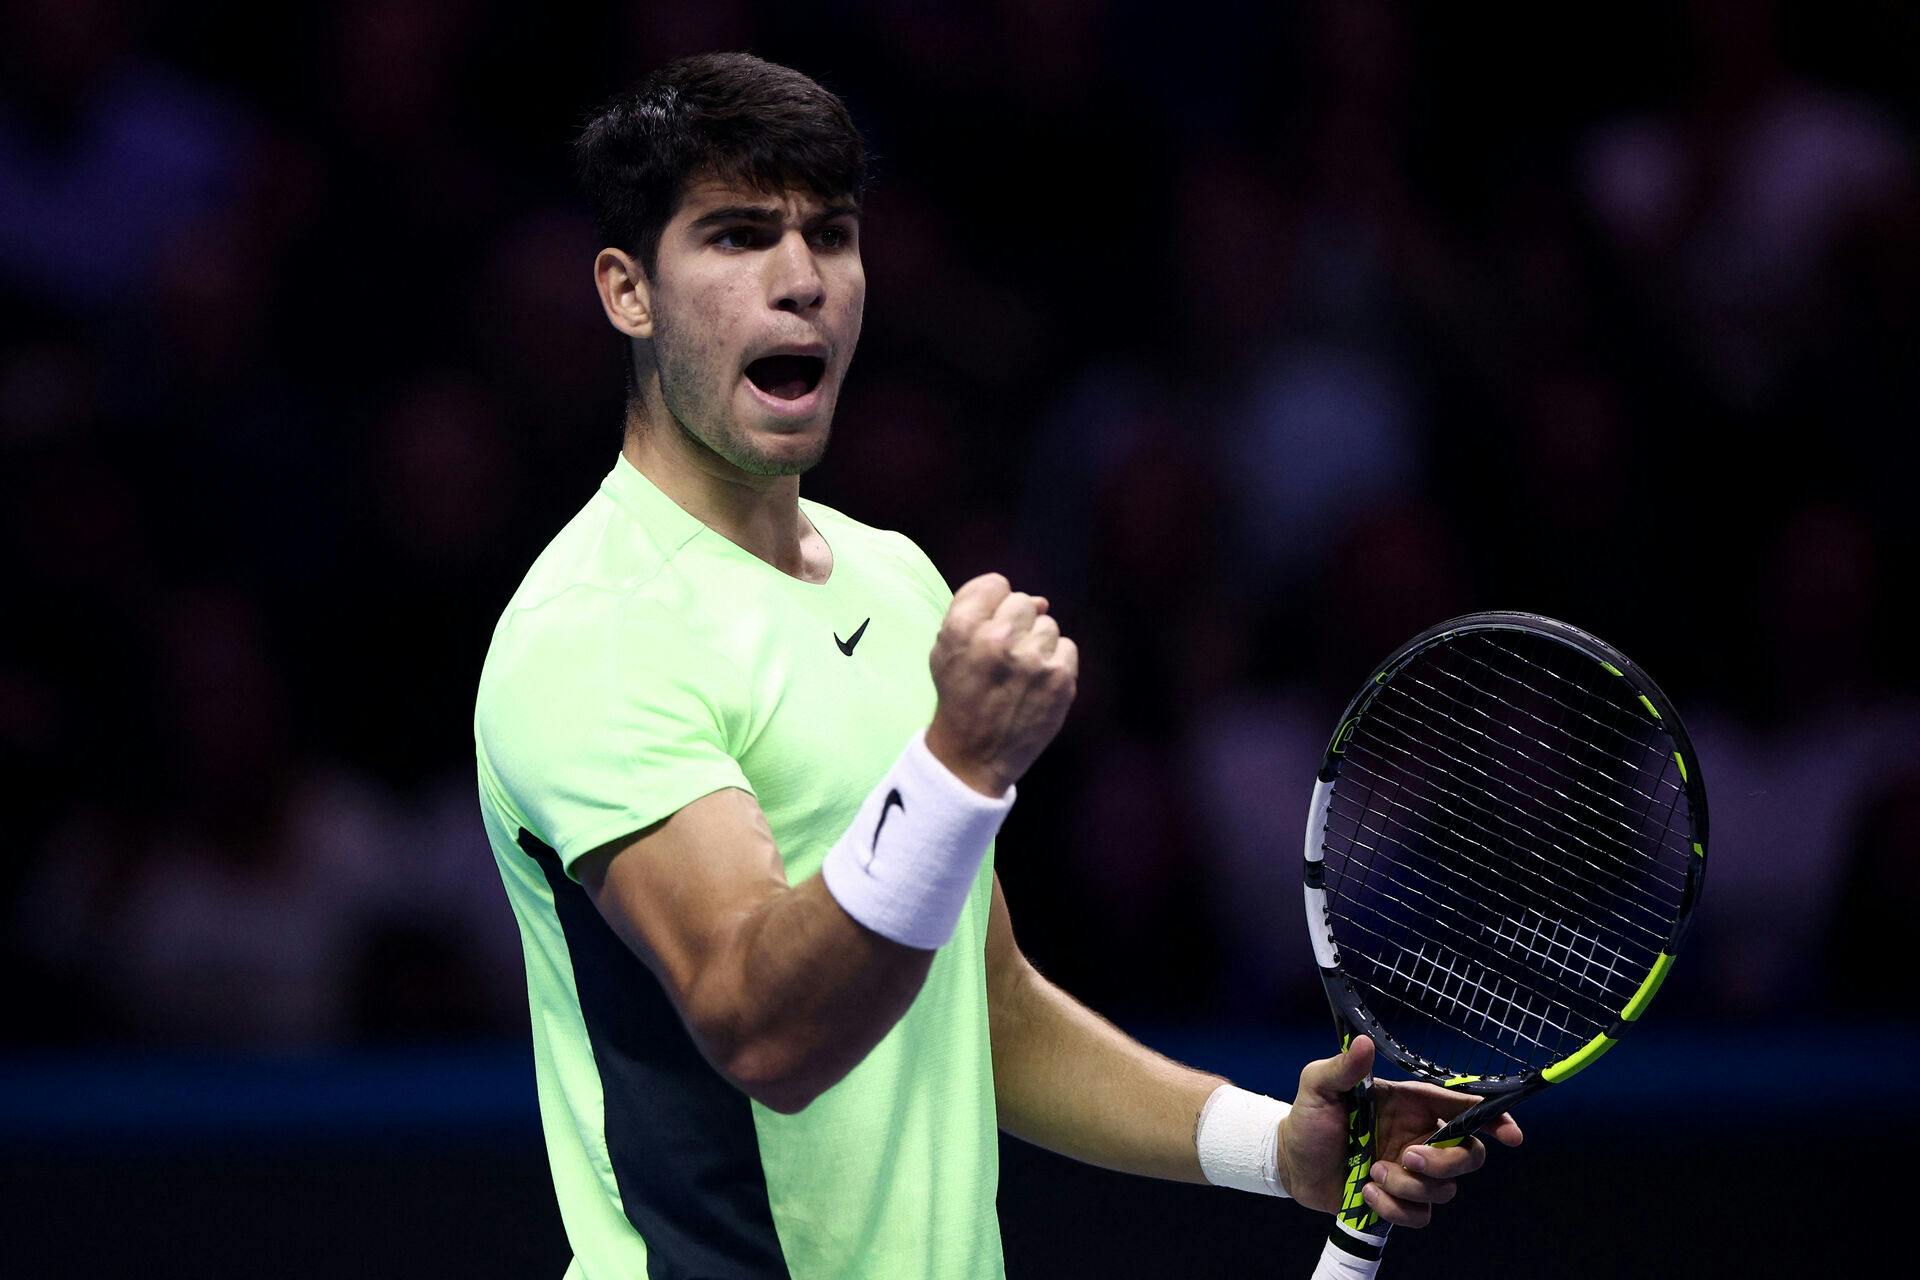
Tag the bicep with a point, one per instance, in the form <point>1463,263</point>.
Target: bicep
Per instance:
<point>676,891</point>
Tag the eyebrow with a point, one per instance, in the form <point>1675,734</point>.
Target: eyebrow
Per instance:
<point>762,214</point>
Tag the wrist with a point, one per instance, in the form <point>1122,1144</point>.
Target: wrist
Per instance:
<point>912,886</point>
<point>988,781</point>
<point>1238,1140</point>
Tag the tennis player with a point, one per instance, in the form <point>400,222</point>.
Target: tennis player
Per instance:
<point>742,759</point>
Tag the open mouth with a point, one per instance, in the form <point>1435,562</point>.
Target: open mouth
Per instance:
<point>786,377</point>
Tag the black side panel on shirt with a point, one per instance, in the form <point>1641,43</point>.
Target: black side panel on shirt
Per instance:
<point>681,1138</point>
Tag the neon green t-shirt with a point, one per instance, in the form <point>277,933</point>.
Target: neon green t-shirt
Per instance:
<point>647,661</point>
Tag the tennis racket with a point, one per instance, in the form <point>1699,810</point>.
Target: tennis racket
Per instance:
<point>1507,839</point>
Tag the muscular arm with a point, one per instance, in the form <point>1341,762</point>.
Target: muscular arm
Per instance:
<point>782,991</point>
<point>1066,1079</point>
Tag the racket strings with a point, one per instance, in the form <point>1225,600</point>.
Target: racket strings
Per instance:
<point>1586,691</point>
<point>1408,764</point>
<point>1407,756</point>
<point>1478,940</point>
<point>1510,753</point>
<point>1468,891</point>
<point>1633,832</point>
<point>1602,877</point>
<point>1488,939</point>
<point>1607,865</point>
<point>1468,915</point>
<point>1470,1007</point>
<point>1454,896</point>
<point>1502,879</point>
<point>1655,757</point>
<point>1456,990</point>
<point>1657,752</point>
<point>1581,752</point>
<point>1508,987</point>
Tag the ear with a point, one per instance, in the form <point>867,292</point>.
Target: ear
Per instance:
<point>625,294</point>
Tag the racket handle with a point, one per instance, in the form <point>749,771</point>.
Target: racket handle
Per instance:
<point>1357,1235</point>
<point>1337,1264</point>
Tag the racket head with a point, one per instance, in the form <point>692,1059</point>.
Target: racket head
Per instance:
<point>1506,845</point>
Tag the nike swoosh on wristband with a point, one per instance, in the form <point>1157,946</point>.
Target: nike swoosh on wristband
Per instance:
<point>846,646</point>
<point>893,798</point>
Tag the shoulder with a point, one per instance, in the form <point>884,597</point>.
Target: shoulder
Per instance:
<point>602,605</point>
<point>602,554</point>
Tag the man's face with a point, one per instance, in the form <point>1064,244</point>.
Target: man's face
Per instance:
<point>756,303</point>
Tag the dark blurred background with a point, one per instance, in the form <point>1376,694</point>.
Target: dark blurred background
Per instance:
<point>1257,337</point>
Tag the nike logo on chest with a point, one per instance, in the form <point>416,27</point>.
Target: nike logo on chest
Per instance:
<point>846,646</point>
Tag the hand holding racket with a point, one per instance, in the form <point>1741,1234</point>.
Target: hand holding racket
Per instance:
<point>1313,1141</point>
<point>1506,841</point>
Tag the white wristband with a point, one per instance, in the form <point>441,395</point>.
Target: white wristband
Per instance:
<point>906,865</point>
<point>1239,1140</point>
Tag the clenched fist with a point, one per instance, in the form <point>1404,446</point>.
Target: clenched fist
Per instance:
<point>1005,676</point>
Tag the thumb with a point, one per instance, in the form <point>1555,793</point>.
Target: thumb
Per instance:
<point>1331,1077</point>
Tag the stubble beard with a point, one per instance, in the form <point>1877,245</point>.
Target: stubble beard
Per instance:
<point>702,416</point>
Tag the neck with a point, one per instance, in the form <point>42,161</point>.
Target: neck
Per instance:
<point>759,514</point>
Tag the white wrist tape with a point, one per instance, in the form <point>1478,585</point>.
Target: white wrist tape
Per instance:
<point>906,865</point>
<point>1239,1140</point>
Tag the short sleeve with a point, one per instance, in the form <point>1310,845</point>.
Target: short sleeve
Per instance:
<point>925,572</point>
<point>601,716</point>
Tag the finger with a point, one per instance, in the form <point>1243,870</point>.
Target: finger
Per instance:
<point>1016,613</point>
<point>1447,1104</point>
<point>1042,639</point>
<point>1404,1184</point>
<point>1331,1077</point>
<point>1401,1213</point>
<point>1445,1162</point>
<point>978,597</point>
<point>1066,655</point>
<point>1505,1131</point>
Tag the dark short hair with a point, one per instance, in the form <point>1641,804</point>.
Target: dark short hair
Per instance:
<point>729,116</point>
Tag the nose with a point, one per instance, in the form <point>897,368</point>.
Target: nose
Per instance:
<point>796,284</point>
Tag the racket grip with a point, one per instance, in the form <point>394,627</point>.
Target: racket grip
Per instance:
<point>1356,1236</point>
<point>1337,1264</point>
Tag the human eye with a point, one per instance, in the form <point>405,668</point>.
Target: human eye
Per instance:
<point>741,236</point>
<point>837,236</point>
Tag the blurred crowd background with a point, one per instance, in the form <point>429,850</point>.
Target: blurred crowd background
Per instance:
<point>1256,340</point>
